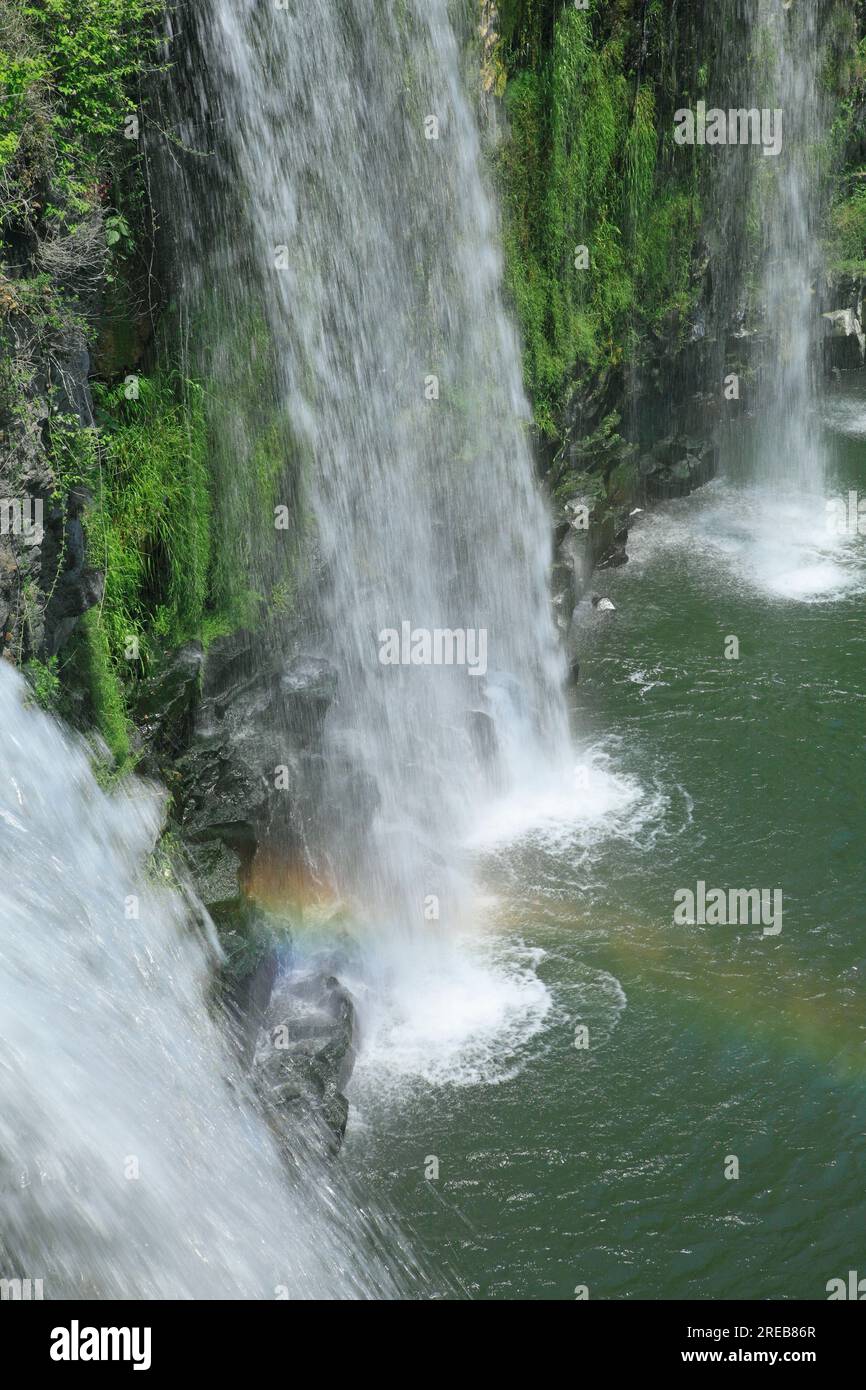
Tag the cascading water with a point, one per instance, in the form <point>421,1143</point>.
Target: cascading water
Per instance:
<point>790,451</point>
<point>133,1163</point>
<point>767,518</point>
<point>347,166</point>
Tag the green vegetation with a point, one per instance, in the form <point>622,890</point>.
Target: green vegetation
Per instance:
<point>73,212</point>
<point>581,168</point>
<point>586,162</point>
<point>848,229</point>
<point>45,683</point>
<point>149,526</point>
<point>69,80</point>
<point>846,226</point>
<point>73,221</point>
<point>95,672</point>
<point>601,466</point>
<point>148,530</point>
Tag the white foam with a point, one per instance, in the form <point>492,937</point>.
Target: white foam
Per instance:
<point>782,547</point>
<point>459,1015</point>
<point>588,802</point>
<point>463,1009</point>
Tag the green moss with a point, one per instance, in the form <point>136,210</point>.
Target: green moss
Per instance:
<point>641,142</point>
<point>583,167</point>
<point>94,671</point>
<point>45,683</point>
<point>245,610</point>
<point>149,525</point>
<point>147,529</point>
<point>845,80</point>
<point>847,233</point>
<point>74,219</point>
<point>257,461</point>
<point>622,483</point>
<point>666,240</point>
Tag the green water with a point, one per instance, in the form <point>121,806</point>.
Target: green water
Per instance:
<point>605,1167</point>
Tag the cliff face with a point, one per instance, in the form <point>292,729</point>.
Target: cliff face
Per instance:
<point>607,259</point>
<point>630,259</point>
<point>78,298</point>
<point>843,292</point>
<point>45,581</point>
<point>627,253</point>
<point>54,265</point>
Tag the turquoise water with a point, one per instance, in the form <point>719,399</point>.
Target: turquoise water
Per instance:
<point>604,1167</point>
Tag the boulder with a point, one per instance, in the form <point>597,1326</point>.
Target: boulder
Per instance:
<point>294,1028</point>
<point>304,1056</point>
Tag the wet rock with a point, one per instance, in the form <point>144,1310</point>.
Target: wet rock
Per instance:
<point>252,783</point>
<point>216,868</point>
<point>71,384</point>
<point>253,941</point>
<point>166,704</point>
<point>230,665</point>
<point>677,466</point>
<point>240,728</point>
<point>76,592</point>
<point>220,797</point>
<point>562,595</point>
<point>575,561</point>
<point>308,686</point>
<point>304,1057</point>
<point>294,1029</point>
<point>44,588</point>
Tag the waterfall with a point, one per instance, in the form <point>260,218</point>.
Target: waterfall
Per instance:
<point>132,1162</point>
<point>338,228</point>
<point>790,450</point>
<point>766,517</point>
